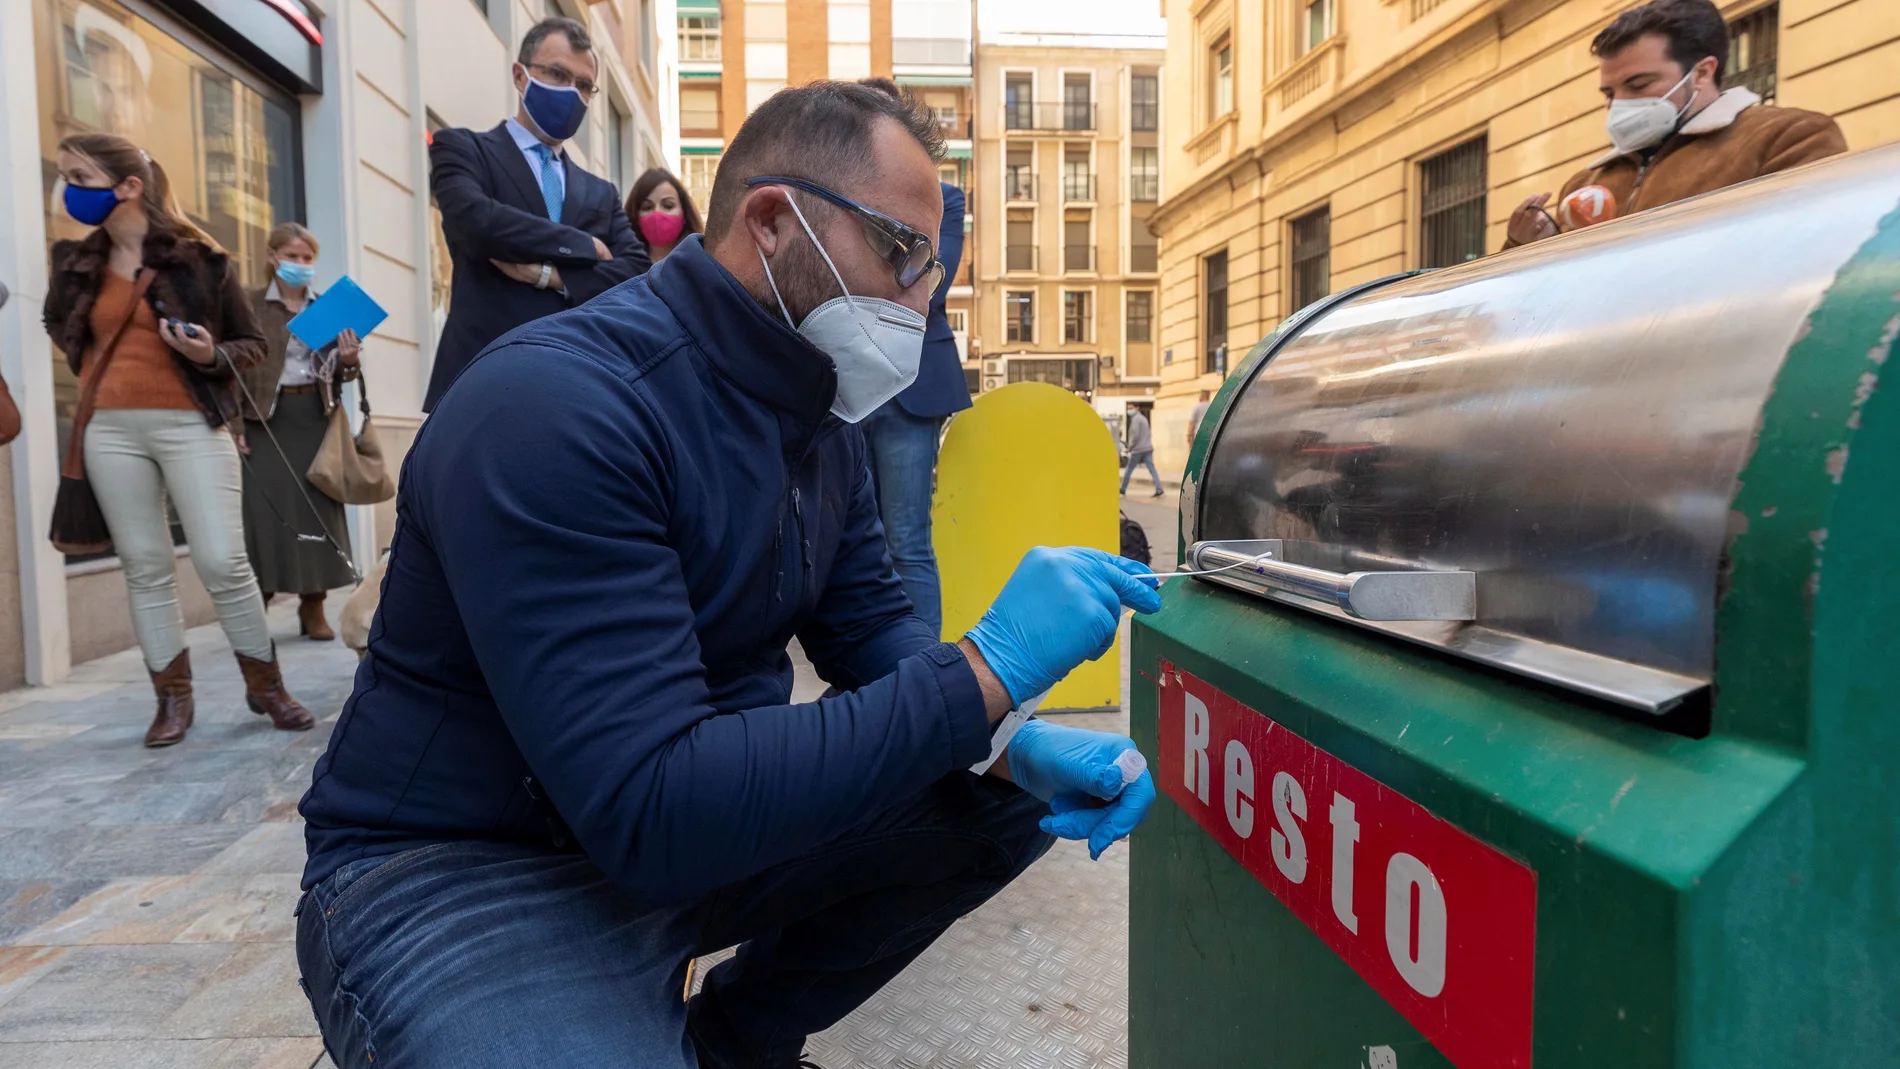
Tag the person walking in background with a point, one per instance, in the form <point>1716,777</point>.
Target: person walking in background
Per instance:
<point>1141,449</point>
<point>1199,414</point>
<point>902,436</point>
<point>662,212</point>
<point>529,233</point>
<point>288,397</point>
<point>1674,132</point>
<point>152,318</point>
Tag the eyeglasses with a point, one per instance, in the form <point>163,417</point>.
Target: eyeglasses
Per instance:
<point>912,255</point>
<point>562,78</point>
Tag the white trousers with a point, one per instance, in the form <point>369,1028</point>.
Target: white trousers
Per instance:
<point>136,458</point>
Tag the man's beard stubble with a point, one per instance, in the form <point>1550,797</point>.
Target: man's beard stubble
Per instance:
<point>804,281</point>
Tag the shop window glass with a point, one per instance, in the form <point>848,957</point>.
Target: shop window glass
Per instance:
<point>229,146</point>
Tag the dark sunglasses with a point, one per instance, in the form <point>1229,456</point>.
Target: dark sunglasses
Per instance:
<point>912,255</point>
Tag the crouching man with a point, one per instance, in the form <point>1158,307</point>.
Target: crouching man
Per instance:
<point>570,763</point>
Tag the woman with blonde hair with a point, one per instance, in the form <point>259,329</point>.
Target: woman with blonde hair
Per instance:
<point>157,326</point>
<point>294,533</point>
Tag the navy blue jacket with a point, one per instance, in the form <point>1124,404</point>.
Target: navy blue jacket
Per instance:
<point>940,388</point>
<point>492,209</point>
<point>606,536</point>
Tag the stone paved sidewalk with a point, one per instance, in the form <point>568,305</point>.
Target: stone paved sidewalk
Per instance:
<point>146,895</point>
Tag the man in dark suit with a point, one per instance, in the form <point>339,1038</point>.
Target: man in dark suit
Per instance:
<point>902,435</point>
<point>529,232</point>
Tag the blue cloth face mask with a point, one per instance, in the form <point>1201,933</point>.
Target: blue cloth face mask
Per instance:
<point>557,110</point>
<point>296,274</point>
<point>88,205</point>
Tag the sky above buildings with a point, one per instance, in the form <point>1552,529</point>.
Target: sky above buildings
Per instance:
<point>1071,16</point>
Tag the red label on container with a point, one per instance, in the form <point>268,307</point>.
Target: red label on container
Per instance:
<point>1440,924</point>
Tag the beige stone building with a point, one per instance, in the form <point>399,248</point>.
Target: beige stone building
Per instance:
<point>1315,144</point>
<point>736,53</point>
<point>1068,170</point>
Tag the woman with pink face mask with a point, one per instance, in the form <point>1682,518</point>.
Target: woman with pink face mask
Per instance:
<point>663,215</point>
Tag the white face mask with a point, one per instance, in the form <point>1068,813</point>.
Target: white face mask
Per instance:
<point>1639,124</point>
<point>876,344</point>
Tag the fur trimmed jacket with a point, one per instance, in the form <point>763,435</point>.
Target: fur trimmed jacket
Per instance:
<point>193,282</point>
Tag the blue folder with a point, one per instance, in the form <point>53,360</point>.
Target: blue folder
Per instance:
<point>344,306</point>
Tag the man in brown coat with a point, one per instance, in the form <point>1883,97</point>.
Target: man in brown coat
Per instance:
<point>1674,132</point>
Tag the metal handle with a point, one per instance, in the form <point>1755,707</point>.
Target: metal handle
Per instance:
<point>1259,565</point>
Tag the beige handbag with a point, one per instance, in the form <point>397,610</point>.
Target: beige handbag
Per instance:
<point>350,468</point>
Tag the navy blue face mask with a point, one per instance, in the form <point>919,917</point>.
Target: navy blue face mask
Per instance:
<point>557,110</point>
<point>90,206</point>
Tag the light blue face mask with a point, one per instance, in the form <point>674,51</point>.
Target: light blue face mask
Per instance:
<point>295,274</point>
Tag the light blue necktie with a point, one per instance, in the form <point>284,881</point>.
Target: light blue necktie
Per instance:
<point>550,180</point>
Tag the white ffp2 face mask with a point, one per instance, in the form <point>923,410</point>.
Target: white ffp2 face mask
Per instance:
<point>1639,124</point>
<point>876,344</point>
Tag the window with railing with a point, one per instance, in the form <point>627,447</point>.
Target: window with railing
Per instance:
<point>1019,101</point>
<point>1078,105</point>
<point>1311,239</point>
<point>1019,183</point>
<point>1144,174</point>
<point>1144,254</point>
<point>1452,188</point>
<point>1019,247</point>
<point>1754,40</point>
<point>1078,183</point>
<point>1144,101</point>
<point>1019,313</point>
<point>1214,314</point>
<point>1078,242</point>
<point>1078,327</point>
<point>1138,323</point>
<point>699,38</point>
<point>699,110</point>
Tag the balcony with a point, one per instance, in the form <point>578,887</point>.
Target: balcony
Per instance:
<point>1019,258</point>
<point>1019,184</point>
<point>699,46</point>
<point>1078,257</point>
<point>1031,115</point>
<point>1078,187</point>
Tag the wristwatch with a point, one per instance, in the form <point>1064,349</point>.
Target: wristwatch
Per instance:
<point>547,272</point>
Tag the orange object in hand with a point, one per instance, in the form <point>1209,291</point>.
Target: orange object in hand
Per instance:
<point>1586,206</point>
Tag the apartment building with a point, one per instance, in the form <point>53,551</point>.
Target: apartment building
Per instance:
<point>1068,173</point>
<point>264,111</point>
<point>1321,143</point>
<point>736,53</point>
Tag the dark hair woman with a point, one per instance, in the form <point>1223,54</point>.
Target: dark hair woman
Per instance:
<point>165,396</point>
<point>288,398</point>
<point>662,212</point>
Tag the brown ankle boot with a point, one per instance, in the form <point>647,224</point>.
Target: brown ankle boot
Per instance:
<point>173,685</point>
<point>310,619</point>
<point>264,692</point>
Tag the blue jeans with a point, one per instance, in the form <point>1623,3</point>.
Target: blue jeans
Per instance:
<point>1147,458</point>
<point>903,455</point>
<point>483,955</point>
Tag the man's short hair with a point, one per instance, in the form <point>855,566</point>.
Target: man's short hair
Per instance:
<point>575,33</point>
<point>818,131</point>
<point>1693,28</point>
<point>883,85</point>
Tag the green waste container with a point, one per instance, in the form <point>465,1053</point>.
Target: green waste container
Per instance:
<point>1543,711</point>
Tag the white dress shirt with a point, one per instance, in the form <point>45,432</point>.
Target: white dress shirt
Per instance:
<point>299,369</point>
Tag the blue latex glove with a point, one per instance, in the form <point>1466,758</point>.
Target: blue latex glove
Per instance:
<point>1060,607</point>
<point>1075,770</point>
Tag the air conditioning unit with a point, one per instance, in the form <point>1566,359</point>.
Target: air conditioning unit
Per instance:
<point>992,382</point>
<point>992,367</point>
